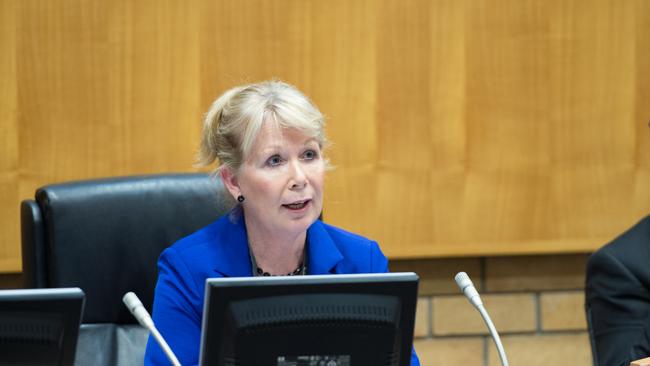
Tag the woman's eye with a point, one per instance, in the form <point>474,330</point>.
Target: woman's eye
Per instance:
<point>274,160</point>
<point>309,155</point>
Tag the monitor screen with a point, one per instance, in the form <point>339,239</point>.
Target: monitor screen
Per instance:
<point>39,326</point>
<point>330,320</point>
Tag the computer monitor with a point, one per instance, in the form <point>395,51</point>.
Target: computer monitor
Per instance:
<point>331,320</point>
<point>39,326</point>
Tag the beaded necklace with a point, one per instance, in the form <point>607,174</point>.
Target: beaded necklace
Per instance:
<point>296,272</point>
<point>258,271</point>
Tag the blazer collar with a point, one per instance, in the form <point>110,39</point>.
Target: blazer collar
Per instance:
<point>322,253</point>
<point>233,257</point>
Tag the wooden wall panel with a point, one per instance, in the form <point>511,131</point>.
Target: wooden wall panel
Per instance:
<point>110,88</point>
<point>642,109</point>
<point>344,86</point>
<point>459,127</point>
<point>254,40</point>
<point>9,201</point>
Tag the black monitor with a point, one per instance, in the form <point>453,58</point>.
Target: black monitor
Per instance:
<point>331,320</point>
<point>39,326</point>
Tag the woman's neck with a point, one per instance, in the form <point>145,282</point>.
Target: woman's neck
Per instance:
<point>276,254</point>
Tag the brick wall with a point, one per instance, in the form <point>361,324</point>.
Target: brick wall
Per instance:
<point>535,302</point>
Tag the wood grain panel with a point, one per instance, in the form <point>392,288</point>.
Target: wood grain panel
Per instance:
<point>8,103</point>
<point>164,124</point>
<point>10,260</point>
<point>593,129</point>
<point>62,79</point>
<point>459,127</point>
<point>116,88</point>
<point>345,84</point>
<point>404,150</point>
<point>254,40</point>
<point>642,109</point>
<point>9,201</point>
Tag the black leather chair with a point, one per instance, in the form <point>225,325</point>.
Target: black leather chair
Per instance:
<point>105,237</point>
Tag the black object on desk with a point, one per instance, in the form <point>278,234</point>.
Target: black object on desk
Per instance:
<point>40,326</point>
<point>341,320</point>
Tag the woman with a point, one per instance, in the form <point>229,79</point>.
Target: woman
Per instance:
<point>268,140</point>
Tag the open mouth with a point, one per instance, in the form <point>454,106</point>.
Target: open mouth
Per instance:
<point>297,205</point>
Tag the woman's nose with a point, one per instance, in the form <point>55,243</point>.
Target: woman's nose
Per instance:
<point>298,176</point>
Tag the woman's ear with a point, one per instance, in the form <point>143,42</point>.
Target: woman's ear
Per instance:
<point>229,180</point>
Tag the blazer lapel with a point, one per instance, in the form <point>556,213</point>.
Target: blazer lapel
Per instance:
<point>322,253</point>
<point>233,258</point>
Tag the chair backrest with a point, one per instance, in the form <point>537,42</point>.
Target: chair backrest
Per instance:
<point>105,235</point>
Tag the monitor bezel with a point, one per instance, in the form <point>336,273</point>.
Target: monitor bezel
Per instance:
<point>68,302</point>
<point>220,290</point>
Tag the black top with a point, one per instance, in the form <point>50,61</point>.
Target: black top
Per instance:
<point>618,297</point>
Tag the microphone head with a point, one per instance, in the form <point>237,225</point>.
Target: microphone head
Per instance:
<point>131,301</point>
<point>463,280</point>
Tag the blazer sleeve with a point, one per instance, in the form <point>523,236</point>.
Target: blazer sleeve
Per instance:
<point>378,261</point>
<point>617,306</point>
<point>175,312</point>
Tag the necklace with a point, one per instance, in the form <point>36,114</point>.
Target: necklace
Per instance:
<point>296,272</point>
<point>300,271</point>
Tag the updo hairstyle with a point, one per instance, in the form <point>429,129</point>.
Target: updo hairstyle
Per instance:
<point>234,120</point>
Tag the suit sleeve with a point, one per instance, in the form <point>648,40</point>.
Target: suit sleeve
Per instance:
<point>378,261</point>
<point>174,312</point>
<point>617,305</point>
<point>379,264</point>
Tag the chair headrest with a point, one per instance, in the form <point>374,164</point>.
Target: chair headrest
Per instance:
<point>105,235</point>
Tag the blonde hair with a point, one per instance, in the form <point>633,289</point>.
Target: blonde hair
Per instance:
<point>234,120</point>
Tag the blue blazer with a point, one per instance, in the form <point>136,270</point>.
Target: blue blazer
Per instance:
<point>221,250</point>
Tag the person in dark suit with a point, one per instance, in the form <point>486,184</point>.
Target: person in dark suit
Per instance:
<point>617,298</point>
<point>268,141</point>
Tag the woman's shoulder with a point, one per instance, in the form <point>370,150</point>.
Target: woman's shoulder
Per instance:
<point>196,256</point>
<point>358,254</point>
<point>343,236</point>
<point>198,243</point>
<point>350,244</point>
<point>198,238</point>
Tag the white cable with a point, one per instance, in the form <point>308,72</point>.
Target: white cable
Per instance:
<point>142,315</point>
<point>467,287</point>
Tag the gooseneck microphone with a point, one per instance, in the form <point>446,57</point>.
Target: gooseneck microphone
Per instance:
<point>467,287</point>
<point>142,315</point>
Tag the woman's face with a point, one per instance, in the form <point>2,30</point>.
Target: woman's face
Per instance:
<point>282,181</point>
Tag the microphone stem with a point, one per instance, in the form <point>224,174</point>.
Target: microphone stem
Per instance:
<point>495,335</point>
<point>164,346</point>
